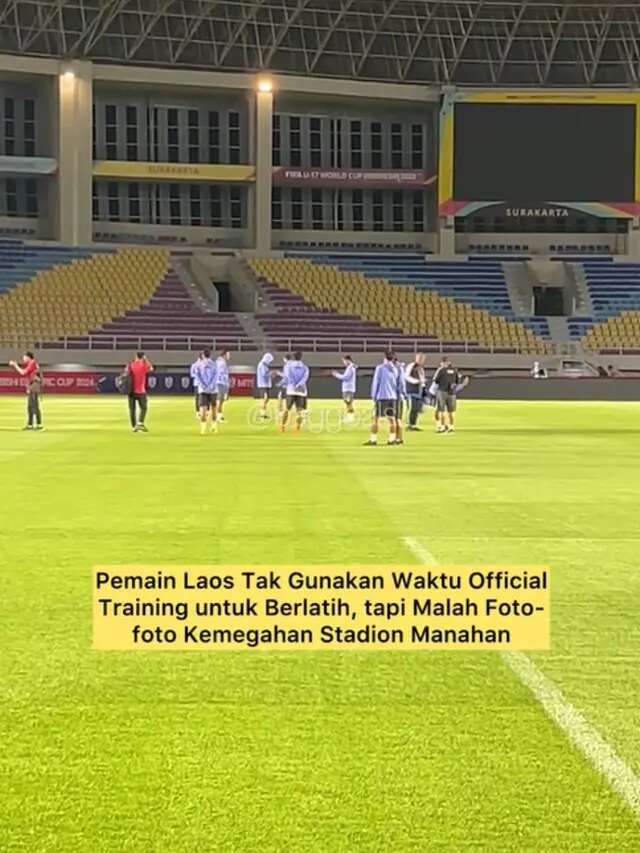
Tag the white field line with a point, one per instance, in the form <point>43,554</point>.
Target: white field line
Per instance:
<point>619,776</point>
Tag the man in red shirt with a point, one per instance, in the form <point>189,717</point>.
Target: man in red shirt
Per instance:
<point>138,369</point>
<point>30,370</point>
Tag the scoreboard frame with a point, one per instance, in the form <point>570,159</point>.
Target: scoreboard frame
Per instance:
<point>450,206</point>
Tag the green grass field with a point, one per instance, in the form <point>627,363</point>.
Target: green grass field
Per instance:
<point>316,751</point>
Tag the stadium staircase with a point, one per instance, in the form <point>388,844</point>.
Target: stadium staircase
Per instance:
<point>354,300</point>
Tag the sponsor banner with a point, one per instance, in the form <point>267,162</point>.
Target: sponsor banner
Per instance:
<point>28,165</point>
<point>353,178</point>
<point>173,171</point>
<point>542,209</point>
<point>92,382</point>
<point>55,382</point>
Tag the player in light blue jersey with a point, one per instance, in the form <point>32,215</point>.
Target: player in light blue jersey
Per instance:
<point>295,376</point>
<point>223,380</point>
<point>264,383</point>
<point>403,397</point>
<point>196,390</point>
<point>282,385</point>
<point>385,388</point>
<point>206,380</point>
<point>348,380</point>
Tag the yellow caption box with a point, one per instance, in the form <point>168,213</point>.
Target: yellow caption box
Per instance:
<point>297,608</point>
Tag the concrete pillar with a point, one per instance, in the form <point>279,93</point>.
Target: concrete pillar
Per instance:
<point>633,240</point>
<point>263,160</point>
<point>447,236</point>
<point>74,129</point>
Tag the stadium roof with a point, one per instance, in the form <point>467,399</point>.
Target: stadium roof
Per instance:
<point>443,43</point>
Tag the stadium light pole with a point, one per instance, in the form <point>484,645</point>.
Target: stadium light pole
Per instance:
<point>73,220</point>
<point>263,163</point>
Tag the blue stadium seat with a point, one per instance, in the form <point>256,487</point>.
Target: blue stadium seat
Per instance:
<point>19,262</point>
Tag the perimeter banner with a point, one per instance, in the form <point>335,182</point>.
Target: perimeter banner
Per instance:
<point>217,172</point>
<point>353,178</point>
<point>55,382</point>
<point>92,382</point>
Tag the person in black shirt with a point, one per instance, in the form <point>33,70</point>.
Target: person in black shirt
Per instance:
<point>416,378</point>
<point>445,380</point>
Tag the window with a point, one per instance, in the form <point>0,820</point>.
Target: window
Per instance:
<point>397,210</point>
<point>193,138</point>
<point>173,136</point>
<point>234,137</point>
<point>377,210</point>
<point>175,214</point>
<point>132,133</point>
<point>396,146</point>
<point>357,210</point>
<point>296,208</point>
<point>275,141</point>
<point>376,145</point>
<point>418,210</point>
<point>195,204</point>
<point>276,208</point>
<point>12,197</point>
<point>113,204</point>
<point>317,213</point>
<point>315,142</point>
<point>95,203</point>
<point>94,148</point>
<point>214,137</point>
<point>134,202</point>
<point>336,143</point>
<point>29,128</point>
<point>235,207</point>
<point>31,200</point>
<point>110,132</point>
<point>9,127</point>
<point>417,146</point>
<point>215,206</point>
<point>295,141</point>
<point>356,144</point>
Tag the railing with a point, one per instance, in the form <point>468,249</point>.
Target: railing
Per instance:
<point>309,344</point>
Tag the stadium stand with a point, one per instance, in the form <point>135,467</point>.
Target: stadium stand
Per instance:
<point>104,300</point>
<point>303,284</point>
<point>479,282</point>
<point>65,299</point>
<point>20,262</point>
<point>614,290</point>
<point>170,320</point>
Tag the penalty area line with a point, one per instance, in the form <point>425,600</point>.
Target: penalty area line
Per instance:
<point>600,754</point>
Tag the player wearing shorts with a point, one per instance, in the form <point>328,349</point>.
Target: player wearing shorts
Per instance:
<point>445,380</point>
<point>223,380</point>
<point>295,376</point>
<point>348,380</point>
<point>196,390</point>
<point>264,383</point>
<point>403,397</point>
<point>282,385</point>
<point>384,394</point>
<point>206,379</point>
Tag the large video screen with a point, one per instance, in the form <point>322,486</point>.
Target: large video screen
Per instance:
<point>544,152</point>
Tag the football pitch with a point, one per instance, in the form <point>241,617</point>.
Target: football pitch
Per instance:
<point>319,751</point>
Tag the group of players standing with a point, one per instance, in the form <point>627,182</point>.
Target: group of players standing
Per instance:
<point>394,384</point>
